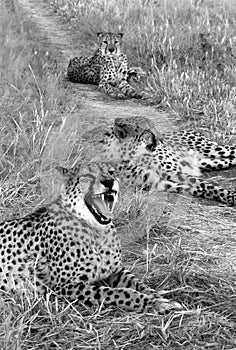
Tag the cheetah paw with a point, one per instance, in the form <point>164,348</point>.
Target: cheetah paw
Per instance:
<point>119,95</point>
<point>164,305</point>
<point>144,94</point>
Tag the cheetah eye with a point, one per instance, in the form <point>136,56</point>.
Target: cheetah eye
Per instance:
<point>149,139</point>
<point>117,42</point>
<point>105,41</point>
<point>111,172</point>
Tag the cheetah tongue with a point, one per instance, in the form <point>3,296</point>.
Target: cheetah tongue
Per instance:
<point>102,207</point>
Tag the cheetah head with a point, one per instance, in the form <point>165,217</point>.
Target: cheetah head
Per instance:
<point>90,191</point>
<point>110,43</point>
<point>131,138</point>
<point>127,138</point>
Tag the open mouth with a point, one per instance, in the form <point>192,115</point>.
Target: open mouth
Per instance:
<point>102,205</point>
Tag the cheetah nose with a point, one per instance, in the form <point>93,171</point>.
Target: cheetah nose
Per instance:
<point>108,183</point>
<point>111,49</point>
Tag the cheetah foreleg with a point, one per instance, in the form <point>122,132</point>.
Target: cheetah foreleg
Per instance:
<point>125,279</point>
<point>123,84</point>
<point>126,299</point>
<point>110,90</point>
<point>95,294</point>
<point>216,164</point>
<point>135,73</point>
<point>199,188</point>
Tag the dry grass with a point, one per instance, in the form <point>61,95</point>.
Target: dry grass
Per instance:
<point>189,252</point>
<point>186,47</point>
<point>33,101</point>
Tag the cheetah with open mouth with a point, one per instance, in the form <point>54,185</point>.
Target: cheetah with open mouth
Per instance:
<point>71,246</point>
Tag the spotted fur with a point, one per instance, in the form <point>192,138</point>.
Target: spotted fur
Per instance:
<point>170,162</point>
<point>71,246</point>
<point>107,68</point>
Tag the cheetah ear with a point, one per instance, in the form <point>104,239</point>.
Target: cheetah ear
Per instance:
<point>159,137</point>
<point>99,34</point>
<point>63,172</point>
<point>121,35</point>
<point>120,131</point>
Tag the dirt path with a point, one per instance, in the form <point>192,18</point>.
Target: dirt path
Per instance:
<point>96,108</point>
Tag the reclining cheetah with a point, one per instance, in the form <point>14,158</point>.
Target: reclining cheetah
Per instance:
<point>148,159</point>
<point>107,68</point>
<point>71,246</point>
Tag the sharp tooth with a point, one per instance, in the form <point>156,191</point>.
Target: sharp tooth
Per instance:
<point>102,196</point>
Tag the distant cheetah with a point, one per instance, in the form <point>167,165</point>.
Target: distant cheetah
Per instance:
<point>107,68</point>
